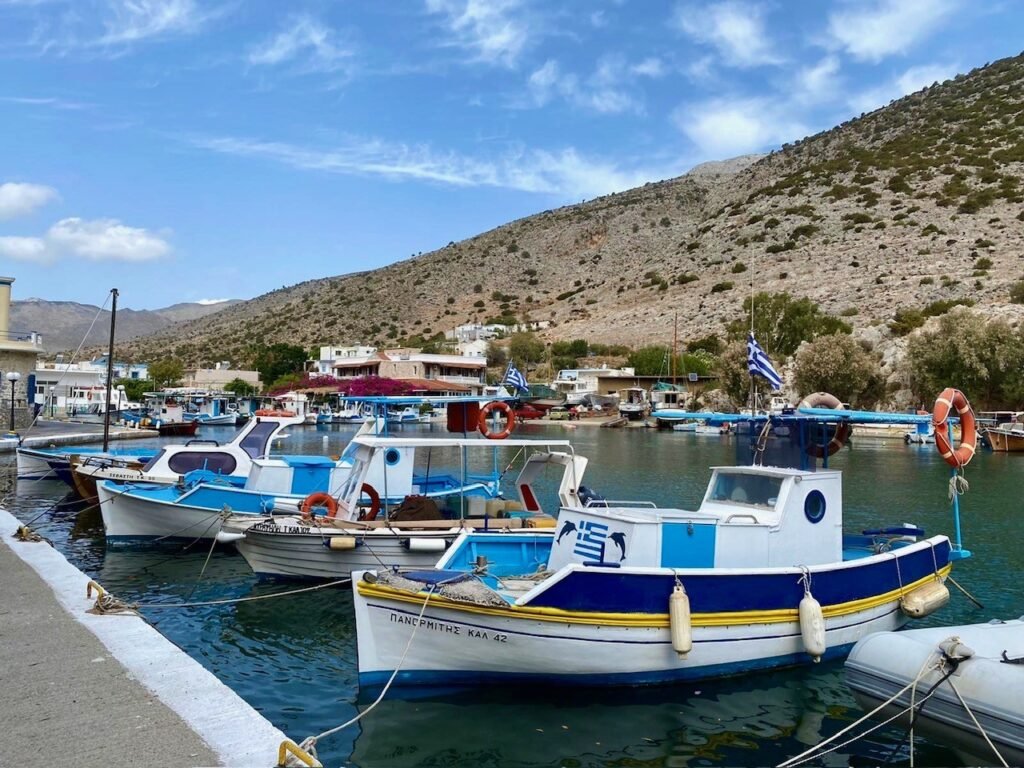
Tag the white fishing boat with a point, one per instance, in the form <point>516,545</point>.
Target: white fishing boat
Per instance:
<point>962,685</point>
<point>634,403</point>
<point>416,531</point>
<point>628,593</point>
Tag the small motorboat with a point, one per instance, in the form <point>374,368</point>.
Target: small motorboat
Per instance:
<point>963,673</point>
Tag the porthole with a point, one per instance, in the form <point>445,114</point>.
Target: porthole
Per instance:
<point>391,456</point>
<point>814,506</point>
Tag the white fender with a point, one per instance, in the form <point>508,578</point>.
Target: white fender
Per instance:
<point>341,543</point>
<point>679,621</point>
<point>812,627</point>
<point>925,599</point>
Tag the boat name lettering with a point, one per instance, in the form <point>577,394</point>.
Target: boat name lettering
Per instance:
<point>439,626</point>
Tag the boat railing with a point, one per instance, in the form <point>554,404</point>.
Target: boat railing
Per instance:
<point>616,503</point>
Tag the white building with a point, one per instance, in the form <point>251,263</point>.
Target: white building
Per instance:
<point>330,355</point>
<point>432,374</point>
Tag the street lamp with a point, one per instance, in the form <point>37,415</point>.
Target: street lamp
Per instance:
<point>13,377</point>
<point>53,397</point>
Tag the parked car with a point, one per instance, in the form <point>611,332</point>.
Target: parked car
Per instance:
<point>527,411</point>
<point>559,413</point>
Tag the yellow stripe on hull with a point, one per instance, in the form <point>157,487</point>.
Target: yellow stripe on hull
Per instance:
<point>641,620</point>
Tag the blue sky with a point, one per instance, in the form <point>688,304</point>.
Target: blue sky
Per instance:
<point>182,150</point>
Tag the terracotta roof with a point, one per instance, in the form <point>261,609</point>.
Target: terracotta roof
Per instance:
<point>433,385</point>
<point>358,362</point>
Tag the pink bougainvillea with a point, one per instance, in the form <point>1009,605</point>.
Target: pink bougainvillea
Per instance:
<point>371,386</point>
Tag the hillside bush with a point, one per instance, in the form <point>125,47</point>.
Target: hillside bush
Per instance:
<point>726,285</point>
<point>836,363</point>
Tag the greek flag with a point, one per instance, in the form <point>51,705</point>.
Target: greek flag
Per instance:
<point>759,365</point>
<point>515,379</point>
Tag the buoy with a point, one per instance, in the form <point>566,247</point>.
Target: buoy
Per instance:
<point>679,621</point>
<point>925,599</point>
<point>341,543</point>
<point>812,626</point>
<point>425,545</point>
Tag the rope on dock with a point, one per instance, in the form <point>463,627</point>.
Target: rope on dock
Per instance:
<point>308,746</point>
<point>107,603</point>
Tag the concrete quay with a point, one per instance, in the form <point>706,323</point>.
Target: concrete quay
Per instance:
<point>99,691</point>
<point>46,434</point>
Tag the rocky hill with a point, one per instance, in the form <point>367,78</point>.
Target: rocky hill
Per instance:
<point>64,324</point>
<point>918,202</point>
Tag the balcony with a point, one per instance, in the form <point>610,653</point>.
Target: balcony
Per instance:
<point>21,341</point>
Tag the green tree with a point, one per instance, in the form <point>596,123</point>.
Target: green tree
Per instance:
<point>240,387</point>
<point>279,360</point>
<point>166,373</point>
<point>782,323</point>
<point>496,354</point>
<point>525,348</point>
<point>733,375</point>
<point>982,359</point>
<point>839,365</point>
<point>135,389</point>
<point>656,360</point>
<point>565,354</point>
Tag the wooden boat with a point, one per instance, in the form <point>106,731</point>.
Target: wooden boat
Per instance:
<point>1006,437</point>
<point>627,593</point>
<point>982,663</point>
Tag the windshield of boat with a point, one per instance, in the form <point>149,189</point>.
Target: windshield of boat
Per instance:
<point>757,490</point>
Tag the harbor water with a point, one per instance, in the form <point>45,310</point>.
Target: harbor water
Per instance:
<point>293,658</point>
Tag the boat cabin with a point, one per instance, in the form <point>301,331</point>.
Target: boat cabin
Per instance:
<point>750,517</point>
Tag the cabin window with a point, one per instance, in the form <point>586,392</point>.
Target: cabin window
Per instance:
<point>814,506</point>
<point>756,490</point>
<point>186,461</point>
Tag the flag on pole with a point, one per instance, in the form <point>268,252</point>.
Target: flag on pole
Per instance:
<point>759,365</point>
<point>514,378</point>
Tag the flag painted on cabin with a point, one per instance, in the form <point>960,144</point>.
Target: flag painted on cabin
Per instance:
<point>759,365</point>
<point>514,378</point>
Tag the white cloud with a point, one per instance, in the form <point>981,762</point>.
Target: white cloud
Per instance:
<point>210,302</point>
<point>736,29</point>
<point>602,92</point>
<point>817,83</point>
<point>722,128</point>
<point>23,248</point>
<point>20,199</point>
<point>873,31</point>
<point>910,81</point>
<point>565,173</point>
<point>97,240</point>
<point>650,67</point>
<point>106,240</point>
<point>307,40</point>
<point>134,20</point>
<point>495,31</point>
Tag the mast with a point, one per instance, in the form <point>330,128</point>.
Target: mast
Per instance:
<point>753,379</point>
<point>110,369</point>
<point>675,346</point>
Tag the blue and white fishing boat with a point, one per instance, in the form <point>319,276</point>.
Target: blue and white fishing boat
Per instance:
<point>760,576</point>
<point>424,522</point>
<point>209,408</point>
<point>55,463</point>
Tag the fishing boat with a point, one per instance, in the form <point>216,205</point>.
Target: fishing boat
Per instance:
<point>171,463</point>
<point>1006,434</point>
<point>628,593</point>
<point>165,413</point>
<point>55,463</point>
<point>960,684</point>
<point>209,408</point>
<point>426,513</point>
<point>634,403</point>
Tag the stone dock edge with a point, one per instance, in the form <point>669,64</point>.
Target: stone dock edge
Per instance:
<point>234,731</point>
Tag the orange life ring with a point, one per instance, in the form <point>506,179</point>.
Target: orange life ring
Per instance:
<point>374,510</point>
<point>946,402</point>
<point>272,412</point>
<point>319,500</point>
<point>843,429</point>
<point>487,410</point>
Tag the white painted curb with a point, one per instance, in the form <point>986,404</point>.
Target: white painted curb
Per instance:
<point>237,733</point>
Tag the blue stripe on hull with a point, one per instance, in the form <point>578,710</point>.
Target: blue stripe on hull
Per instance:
<point>660,677</point>
<point>610,591</point>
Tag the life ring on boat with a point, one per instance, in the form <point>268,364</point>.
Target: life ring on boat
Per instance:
<point>487,410</point>
<point>949,399</point>
<point>843,429</point>
<point>272,412</point>
<point>318,500</point>
<point>374,510</point>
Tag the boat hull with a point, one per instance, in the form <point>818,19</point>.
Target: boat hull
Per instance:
<point>283,551</point>
<point>1005,441</point>
<point>453,647</point>
<point>599,626</point>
